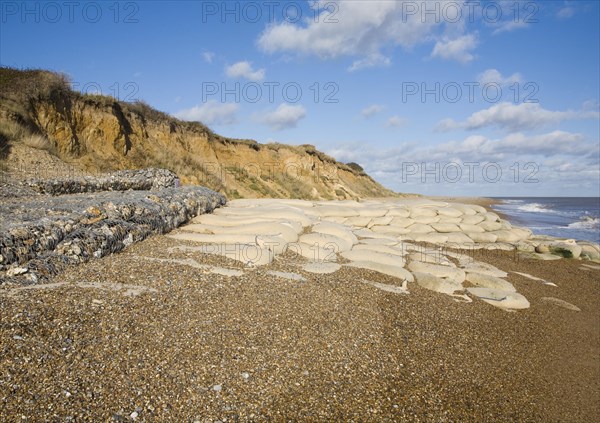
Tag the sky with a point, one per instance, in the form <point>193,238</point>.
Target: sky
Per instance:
<point>460,98</point>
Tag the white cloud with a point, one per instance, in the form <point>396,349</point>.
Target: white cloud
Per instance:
<point>208,56</point>
<point>395,122</point>
<point>494,76</point>
<point>446,125</point>
<point>371,110</point>
<point>479,148</point>
<point>556,159</point>
<point>515,117</point>
<point>508,26</point>
<point>550,144</point>
<point>354,28</point>
<point>565,12</point>
<point>284,117</point>
<point>591,108</point>
<point>210,113</point>
<point>509,15</point>
<point>373,60</point>
<point>475,148</point>
<point>244,70</point>
<point>456,49</point>
<point>349,28</point>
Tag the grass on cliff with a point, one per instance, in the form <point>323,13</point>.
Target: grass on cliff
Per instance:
<point>30,83</point>
<point>11,132</point>
<point>20,88</point>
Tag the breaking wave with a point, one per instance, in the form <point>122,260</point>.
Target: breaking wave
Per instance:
<point>586,222</point>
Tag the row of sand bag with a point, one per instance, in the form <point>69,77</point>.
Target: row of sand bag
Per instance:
<point>415,219</point>
<point>254,231</point>
<point>255,234</point>
<point>328,244</point>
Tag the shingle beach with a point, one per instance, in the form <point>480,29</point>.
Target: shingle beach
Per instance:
<point>395,325</point>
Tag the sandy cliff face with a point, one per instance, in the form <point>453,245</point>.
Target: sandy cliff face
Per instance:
<point>100,134</point>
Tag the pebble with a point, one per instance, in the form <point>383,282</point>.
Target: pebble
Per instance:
<point>16,271</point>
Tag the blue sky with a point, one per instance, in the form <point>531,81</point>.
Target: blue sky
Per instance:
<point>497,98</point>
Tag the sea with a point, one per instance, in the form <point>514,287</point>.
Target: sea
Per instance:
<point>564,217</point>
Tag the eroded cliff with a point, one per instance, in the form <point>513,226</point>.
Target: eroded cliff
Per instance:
<point>99,133</point>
